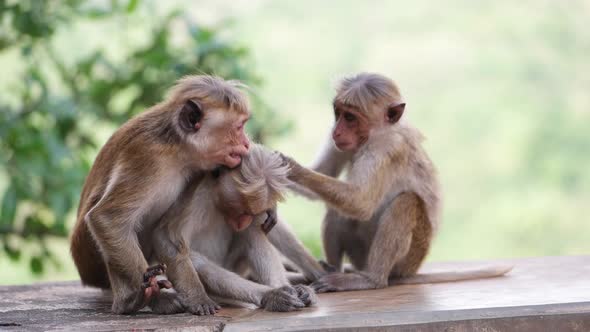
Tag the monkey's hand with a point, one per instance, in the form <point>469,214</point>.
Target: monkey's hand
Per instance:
<point>306,294</point>
<point>166,303</point>
<point>294,167</point>
<point>271,220</point>
<point>151,285</point>
<point>285,298</point>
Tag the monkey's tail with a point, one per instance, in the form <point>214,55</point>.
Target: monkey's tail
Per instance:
<point>436,277</point>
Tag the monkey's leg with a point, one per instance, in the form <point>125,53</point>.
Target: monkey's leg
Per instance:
<point>332,238</point>
<point>288,244</point>
<point>125,262</point>
<point>172,250</point>
<point>267,267</point>
<point>229,285</point>
<point>391,245</point>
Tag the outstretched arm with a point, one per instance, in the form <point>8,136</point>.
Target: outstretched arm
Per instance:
<point>358,199</point>
<point>330,162</point>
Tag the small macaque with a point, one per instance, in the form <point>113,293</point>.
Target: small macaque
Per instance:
<point>218,230</point>
<point>139,173</point>
<point>384,214</point>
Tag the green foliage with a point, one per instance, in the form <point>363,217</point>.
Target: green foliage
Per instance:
<point>49,124</point>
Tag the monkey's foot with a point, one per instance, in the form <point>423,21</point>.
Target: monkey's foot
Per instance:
<point>201,306</point>
<point>338,282</point>
<point>166,303</point>
<point>282,299</point>
<point>306,294</point>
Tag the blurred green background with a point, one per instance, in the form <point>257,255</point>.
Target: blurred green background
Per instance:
<point>501,89</point>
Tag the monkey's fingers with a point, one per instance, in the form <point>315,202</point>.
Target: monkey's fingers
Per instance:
<point>271,220</point>
<point>286,160</point>
<point>164,284</point>
<point>153,271</point>
<point>306,294</point>
<point>149,291</point>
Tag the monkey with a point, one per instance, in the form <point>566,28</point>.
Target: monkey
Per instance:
<point>384,215</point>
<point>211,229</point>
<point>139,173</point>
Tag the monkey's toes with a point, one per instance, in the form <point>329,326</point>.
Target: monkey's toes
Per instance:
<point>306,294</point>
<point>205,309</point>
<point>282,299</point>
<point>206,306</point>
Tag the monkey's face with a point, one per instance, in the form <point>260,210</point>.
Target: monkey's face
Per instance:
<point>239,210</point>
<point>351,128</point>
<point>215,133</point>
<point>241,217</point>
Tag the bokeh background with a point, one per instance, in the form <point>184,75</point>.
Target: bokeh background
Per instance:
<point>500,88</point>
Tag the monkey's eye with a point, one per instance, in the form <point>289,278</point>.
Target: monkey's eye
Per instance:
<point>349,117</point>
<point>191,116</point>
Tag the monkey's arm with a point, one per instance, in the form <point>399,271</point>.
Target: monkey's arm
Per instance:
<point>224,283</point>
<point>287,243</point>
<point>267,267</point>
<point>175,253</point>
<point>357,200</point>
<point>330,162</point>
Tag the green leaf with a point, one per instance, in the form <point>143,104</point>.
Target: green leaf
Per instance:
<point>9,202</point>
<point>132,5</point>
<point>36,264</point>
<point>12,253</point>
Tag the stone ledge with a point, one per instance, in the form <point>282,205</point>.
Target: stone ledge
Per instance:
<point>540,294</point>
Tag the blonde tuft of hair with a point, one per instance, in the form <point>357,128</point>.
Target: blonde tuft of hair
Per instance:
<point>367,90</point>
<point>262,175</point>
<point>212,91</point>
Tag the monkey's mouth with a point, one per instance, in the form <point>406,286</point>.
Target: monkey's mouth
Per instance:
<point>241,222</point>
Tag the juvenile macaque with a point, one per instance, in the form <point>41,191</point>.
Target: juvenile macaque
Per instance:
<point>211,231</point>
<point>139,173</point>
<point>384,215</point>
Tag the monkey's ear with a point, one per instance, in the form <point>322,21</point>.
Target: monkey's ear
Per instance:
<point>190,116</point>
<point>395,112</point>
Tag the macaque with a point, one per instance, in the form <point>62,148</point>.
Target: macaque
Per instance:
<point>139,173</point>
<point>384,215</point>
<point>212,230</point>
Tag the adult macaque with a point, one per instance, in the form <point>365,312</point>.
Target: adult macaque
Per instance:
<point>139,173</point>
<point>210,230</point>
<point>384,215</point>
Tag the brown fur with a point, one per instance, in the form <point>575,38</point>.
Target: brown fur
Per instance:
<point>202,240</point>
<point>384,215</point>
<point>141,171</point>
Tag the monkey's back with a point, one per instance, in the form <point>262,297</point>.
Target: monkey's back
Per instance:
<point>83,248</point>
